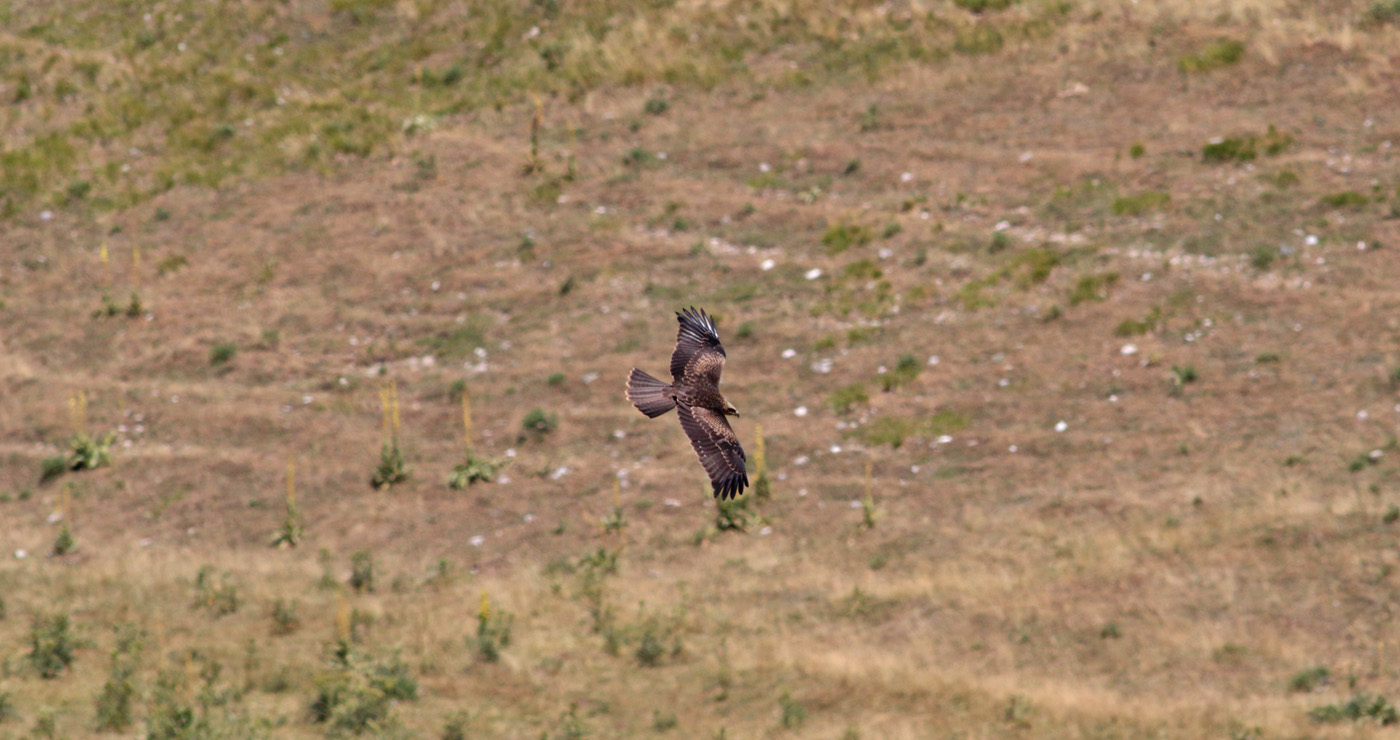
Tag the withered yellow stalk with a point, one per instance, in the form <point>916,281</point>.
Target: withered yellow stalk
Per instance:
<point>389,400</point>
<point>467,418</point>
<point>291,483</point>
<point>65,503</point>
<point>484,613</point>
<point>342,616</point>
<point>77,411</point>
<point>759,458</point>
<point>102,253</point>
<point>394,399</point>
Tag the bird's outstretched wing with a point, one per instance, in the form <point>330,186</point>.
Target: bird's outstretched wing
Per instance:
<point>717,447</point>
<point>698,357</point>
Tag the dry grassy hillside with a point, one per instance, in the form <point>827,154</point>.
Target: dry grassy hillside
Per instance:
<point>1069,328</point>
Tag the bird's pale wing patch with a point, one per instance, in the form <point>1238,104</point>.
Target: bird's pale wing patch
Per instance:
<point>717,447</point>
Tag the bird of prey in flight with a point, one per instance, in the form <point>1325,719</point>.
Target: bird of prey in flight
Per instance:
<point>694,393</point>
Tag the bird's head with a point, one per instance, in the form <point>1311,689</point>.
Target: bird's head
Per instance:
<point>729,409</point>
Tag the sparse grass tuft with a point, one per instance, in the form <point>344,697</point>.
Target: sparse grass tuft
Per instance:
<point>1309,679</point>
<point>1136,327</point>
<point>793,713</point>
<point>1093,287</point>
<point>114,705</point>
<point>1217,54</point>
<point>905,370</point>
<point>218,598</point>
<point>537,424</point>
<point>1384,12</point>
<point>51,645</point>
<point>1362,707</point>
<point>222,353</point>
<point>843,235</point>
<point>1144,202</point>
<point>843,399</point>
<point>362,571</point>
<point>1344,199</point>
<point>1247,148</point>
<point>492,631</point>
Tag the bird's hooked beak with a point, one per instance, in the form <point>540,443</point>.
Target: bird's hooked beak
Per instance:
<point>730,410</point>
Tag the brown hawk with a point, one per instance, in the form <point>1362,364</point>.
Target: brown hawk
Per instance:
<point>694,394</point>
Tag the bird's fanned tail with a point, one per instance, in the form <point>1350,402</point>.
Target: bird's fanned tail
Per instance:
<point>646,393</point>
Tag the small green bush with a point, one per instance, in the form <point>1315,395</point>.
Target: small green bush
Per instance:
<point>1092,287</point>
<point>1360,707</point>
<point>114,705</point>
<point>1309,679</point>
<point>474,470</point>
<point>51,644</point>
<point>1263,256</point>
<point>1217,54</point>
<point>537,423</point>
<point>391,469</point>
<point>844,235</point>
<point>794,714</point>
<point>656,106</point>
<point>284,617</point>
<point>1136,205</point>
<point>1384,12</point>
<point>843,399</point>
<point>492,633</point>
<point>52,467</point>
<point>362,571</point>
<point>1344,199</point>
<point>222,352</point>
<point>220,597</point>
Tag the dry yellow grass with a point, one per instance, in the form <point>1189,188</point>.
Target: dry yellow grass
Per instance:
<point>1160,565</point>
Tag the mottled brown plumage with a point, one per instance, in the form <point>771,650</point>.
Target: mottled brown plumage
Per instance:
<point>694,393</point>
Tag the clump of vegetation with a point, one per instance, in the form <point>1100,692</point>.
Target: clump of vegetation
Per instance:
<point>1135,327</point>
<point>843,399</point>
<point>537,423</point>
<point>88,452</point>
<point>1383,12</point>
<point>218,597</point>
<point>656,106</point>
<point>793,713</point>
<point>284,617</point>
<point>290,533</point>
<point>362,571</point>
<point>1137,150</point>
<point>391,469</point>
<point>359,696</point>
<point>51,645</point>
<point>1345,199</point>
<point>905,370</point>
<point>1309,679</point>
<point>492,631</point>
<point>1092,287</point>
<point>473,469</point>
<point>1217,54</point>
<point>735,515</point>
<point>1136,205</point>
<point>1361,707</point>
<point>656,640</point>
<point>1182,376</point>
<point>1263,256</point>
<point>894,430</point>
<point>222,353</point>
<point>843,235</point>
<point>762,489</point>
<point>1247,148</point>
<point>114,704</point>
